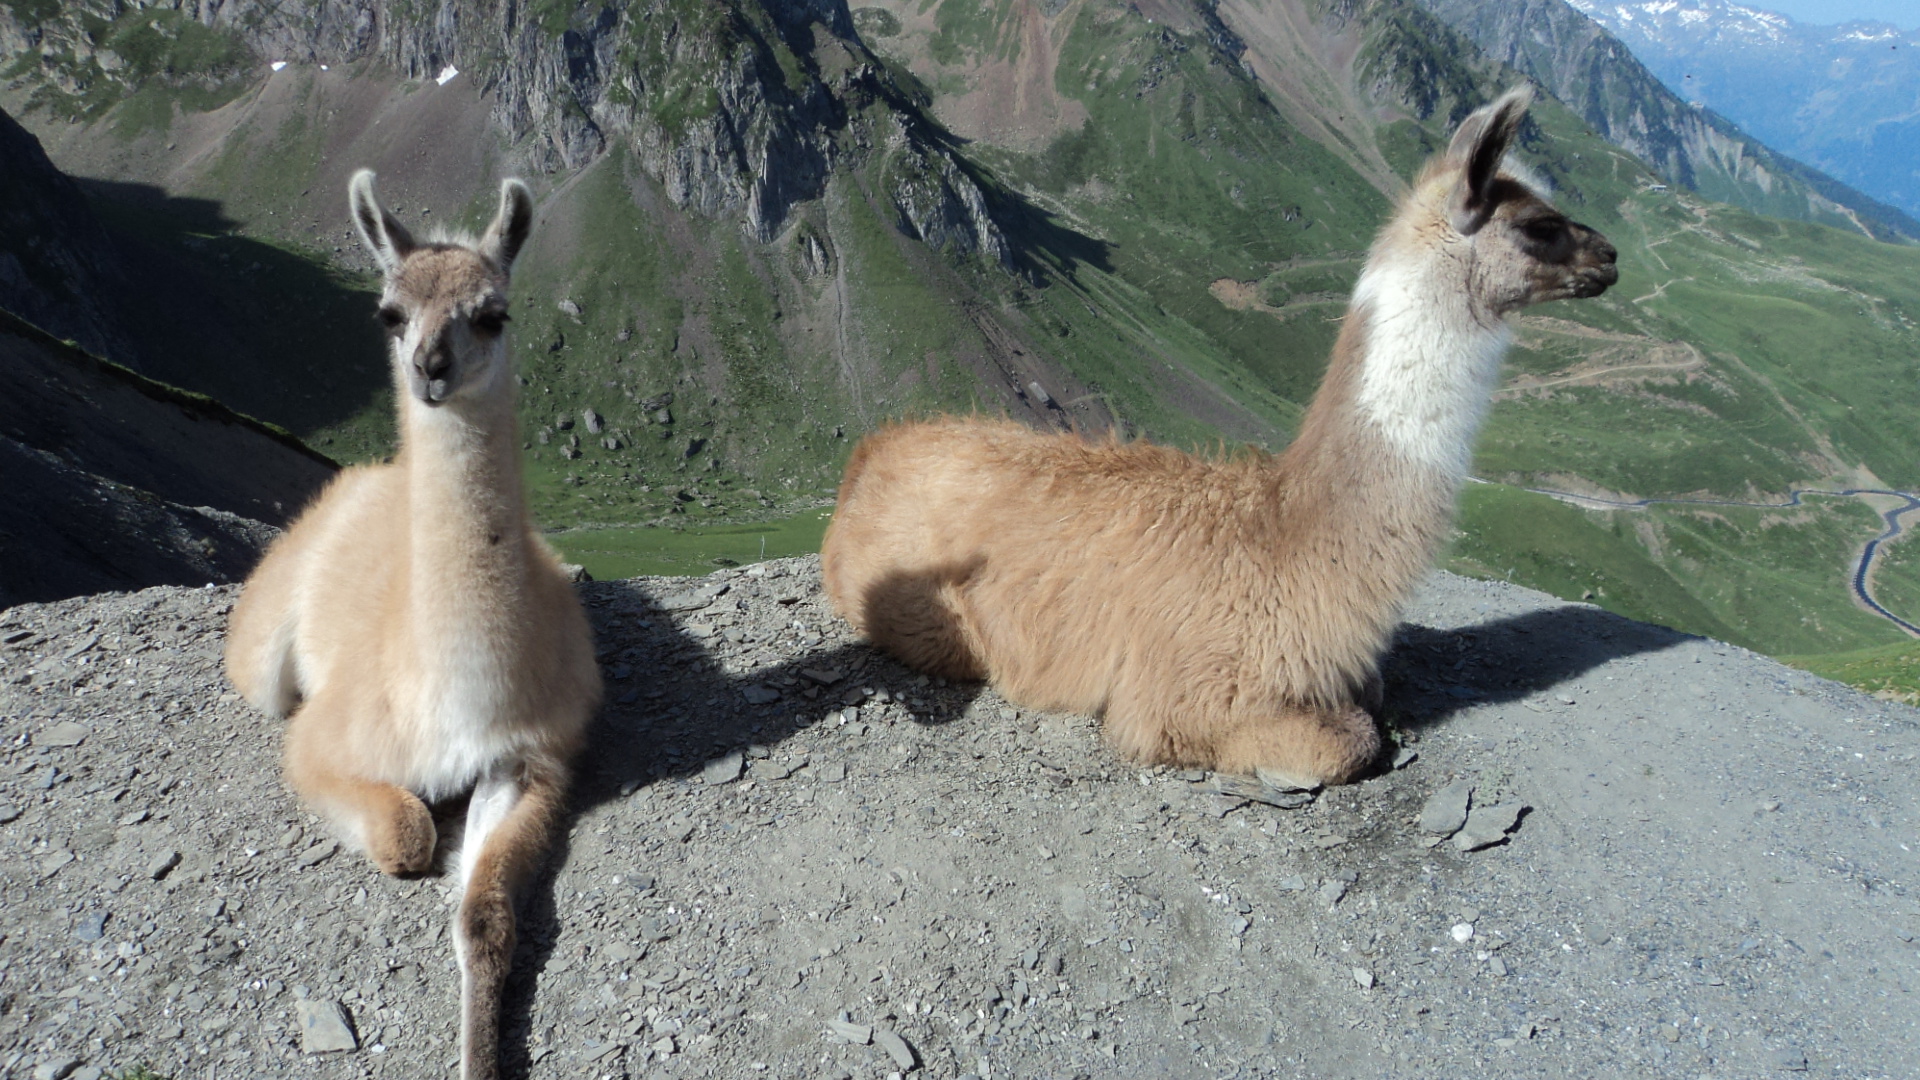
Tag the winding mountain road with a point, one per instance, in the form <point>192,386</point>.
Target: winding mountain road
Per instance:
<point>1858,583</point>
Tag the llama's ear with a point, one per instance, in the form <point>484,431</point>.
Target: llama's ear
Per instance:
<point>510,226</point>
<point>1477,150</point>
<point>385,237</point>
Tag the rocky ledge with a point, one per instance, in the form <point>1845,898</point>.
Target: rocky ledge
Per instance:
<point>1607,850</point>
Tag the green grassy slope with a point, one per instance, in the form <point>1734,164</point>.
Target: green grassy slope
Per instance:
<point>1180,255</point>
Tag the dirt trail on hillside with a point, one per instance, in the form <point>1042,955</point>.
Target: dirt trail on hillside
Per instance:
<point>1713,877</point>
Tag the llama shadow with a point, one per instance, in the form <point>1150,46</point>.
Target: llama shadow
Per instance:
<point>1432,674</point>
<point>672,708</point>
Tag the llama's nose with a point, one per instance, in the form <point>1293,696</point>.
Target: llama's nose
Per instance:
<point>433,366</point>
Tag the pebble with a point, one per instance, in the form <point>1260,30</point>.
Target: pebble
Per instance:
<point>55,1068</point>
<point>1240,787</point>
<point>848,1031</point>
<point>1284,781</point>
<point>832,772</point>
<point>160,865</point>
<point>318,853</point>
<point>1407,756</point>
<point>1792,1059</point>
<point>64,733</point>
<point>724,770</point>
<point>1446,810</point>
<point>1292,883</point>
<point>760,695</point>
<point>895,1046</point>
<point>1488,825</point>
<point>8,813</point>
<point>324,1027</point>
<point>1363,977</point>
<point>54,861</point>
<point>92,926</point>
<point>1462,932</point>
<point>692,599</point>
<point>1332,891</point>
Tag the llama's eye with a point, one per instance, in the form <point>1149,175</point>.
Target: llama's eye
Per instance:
<point>490,322</point>
<point>1545,232</point>
<point>393,319</point>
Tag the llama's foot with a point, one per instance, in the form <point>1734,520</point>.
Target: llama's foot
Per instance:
<point>1303,748</point>
<point>401,836</point>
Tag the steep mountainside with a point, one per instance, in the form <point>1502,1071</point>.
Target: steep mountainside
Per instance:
<point>114,481</point>
<point>58,267</point>
<point>764,229</point>
<point>1595,74</point>
<point>1845,98</point>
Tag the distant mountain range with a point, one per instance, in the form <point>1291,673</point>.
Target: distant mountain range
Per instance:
<point>1599,76</point>
<point>1845,99</point>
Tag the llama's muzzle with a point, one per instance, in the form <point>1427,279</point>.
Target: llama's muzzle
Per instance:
<point>431,376</point>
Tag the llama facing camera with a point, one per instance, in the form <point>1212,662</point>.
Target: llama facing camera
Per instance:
<point>1223,614</point>
<point>419,631</point>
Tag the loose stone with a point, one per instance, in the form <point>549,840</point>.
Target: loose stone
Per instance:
<point>1446,810</point>
<point>159,866</point>
<point>895,1046</point>
<point>324,1027</point>
<point>1488,825</point>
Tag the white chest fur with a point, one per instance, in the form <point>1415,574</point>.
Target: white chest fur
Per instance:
<point>1430,366</point>
<point>461,725</point>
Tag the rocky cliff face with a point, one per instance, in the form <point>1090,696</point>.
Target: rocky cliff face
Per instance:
<point>734,108</point>
<point>1584,65</point>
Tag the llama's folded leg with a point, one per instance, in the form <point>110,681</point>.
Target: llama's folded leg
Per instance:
<point>510,821</point>
<point>387,822</point>
<point>917,617</point>
<point>1302,746</point>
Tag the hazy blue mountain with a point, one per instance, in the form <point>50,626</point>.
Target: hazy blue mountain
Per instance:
<point>1597,75</point>
<point>1845,99</point>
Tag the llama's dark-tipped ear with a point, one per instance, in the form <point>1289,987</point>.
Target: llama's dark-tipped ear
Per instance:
<point>510,226</point>
<point>385,237</point>
<point>1477,150</point>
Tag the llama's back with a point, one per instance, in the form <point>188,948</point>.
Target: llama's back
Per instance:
<point>1059,565</point>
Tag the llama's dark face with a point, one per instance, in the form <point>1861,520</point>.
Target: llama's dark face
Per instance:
<point>1519,249</point>
<point>1528,253</point>
<point>445,304</point>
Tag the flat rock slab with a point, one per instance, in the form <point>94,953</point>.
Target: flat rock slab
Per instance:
<point>1488,825</point>
<point>65,733</point>
<point>1445,811</point>
<point>324,1027</point>
<point>895,1046</point>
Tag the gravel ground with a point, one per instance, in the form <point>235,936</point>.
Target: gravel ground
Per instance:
<point>792,858</point>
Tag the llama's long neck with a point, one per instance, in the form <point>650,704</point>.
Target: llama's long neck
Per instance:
<point>1368,487</point>
<point>468,535</point>
<point>1427,362</point>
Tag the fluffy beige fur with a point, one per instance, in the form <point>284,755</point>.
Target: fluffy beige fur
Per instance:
<point>1229,614</point>
<point>419,630</point>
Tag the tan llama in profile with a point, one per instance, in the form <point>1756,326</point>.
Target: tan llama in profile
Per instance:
<point>419,630</point>
<point>1223,614</point>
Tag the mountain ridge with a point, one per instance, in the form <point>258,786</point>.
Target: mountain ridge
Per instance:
<point>1583,63</point>
<point>1842,97</point>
